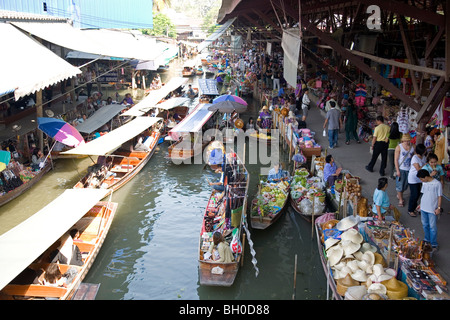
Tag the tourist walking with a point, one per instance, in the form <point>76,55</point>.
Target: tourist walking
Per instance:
<point>430,206</point>
<point>351,122</point>
<point>334,122</point>
<point>305,103</point>
<point>394,140</point>
<point>402,161</point>
<point>379,145</point>
<point>414,183</point>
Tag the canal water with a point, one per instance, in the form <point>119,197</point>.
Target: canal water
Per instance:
<point>151,250</point>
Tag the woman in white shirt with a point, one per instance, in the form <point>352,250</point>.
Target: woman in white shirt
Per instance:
<point>415,184</point>
<point>402,161</point>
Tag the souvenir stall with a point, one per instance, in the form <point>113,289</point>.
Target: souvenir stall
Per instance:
<point>368,260</point>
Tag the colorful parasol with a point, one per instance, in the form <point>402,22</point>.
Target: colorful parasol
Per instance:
<point>230,97</point>
<point>60,131</point>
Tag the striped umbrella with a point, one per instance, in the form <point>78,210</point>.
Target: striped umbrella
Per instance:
<point>60,131</point>
<point>230,97</point>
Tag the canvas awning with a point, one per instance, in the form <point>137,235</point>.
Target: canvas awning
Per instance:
<point>213,37</point>
<point>112,140</point>
<point>208,87</point>
<point>23,244</point>
<point>291,43</point>
<point>108,43</point>
<point>172,103</point>
<point>89,56</point>
<point>28,66</point>
<point>155,97</point>
<point>100,118</point>
<point>163,59</point>
<point>193,122</point>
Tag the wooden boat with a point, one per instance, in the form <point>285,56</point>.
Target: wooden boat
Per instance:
<point>182,151</point>
<point>123,164</point>
<point>310,186</point>
<point>116,164</point>
<point>32,254</point>
<point>199,70</point>
<point>25,186</point>
<point>262,213</point>
<point>188,142</point>
<point>59,155</point>
<point>187,71</point>
<point>213,273</point>
<point>263,135</point>
<point>328,274</point>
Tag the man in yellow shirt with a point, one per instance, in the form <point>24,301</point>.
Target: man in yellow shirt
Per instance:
<point>380,144</point>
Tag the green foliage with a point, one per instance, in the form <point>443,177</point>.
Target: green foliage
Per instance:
<point>162,26</point>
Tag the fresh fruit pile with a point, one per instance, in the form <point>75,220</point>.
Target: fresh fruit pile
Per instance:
<point>271,199</point>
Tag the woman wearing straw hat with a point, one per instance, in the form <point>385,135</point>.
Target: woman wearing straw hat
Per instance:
<point>402,161</point>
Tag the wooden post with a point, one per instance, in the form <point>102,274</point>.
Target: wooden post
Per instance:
<point>39,114</point>
<point>243,245</point>
<point>312,217</point>
<point>295,277</point>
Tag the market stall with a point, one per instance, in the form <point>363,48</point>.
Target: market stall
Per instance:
<point>367,260</point>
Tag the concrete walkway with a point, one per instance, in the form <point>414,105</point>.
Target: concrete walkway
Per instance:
<point>355,157</point>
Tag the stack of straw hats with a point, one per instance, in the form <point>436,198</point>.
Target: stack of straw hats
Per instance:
<point>356,263</point>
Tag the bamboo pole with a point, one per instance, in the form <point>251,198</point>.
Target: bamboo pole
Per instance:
<point>243,246</point>
<point>312,217</point>
<point>295,277</point>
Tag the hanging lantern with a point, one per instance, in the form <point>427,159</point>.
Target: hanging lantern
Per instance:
<point>239,124</point>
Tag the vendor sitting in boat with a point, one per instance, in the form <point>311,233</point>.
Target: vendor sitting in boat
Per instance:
<point>140,146</point>
<point>265,118</point>
<point>190,93</point>
<point>218,186</point>
<point>277,173</point>
<point>220,250</point>
<point>331,172</point>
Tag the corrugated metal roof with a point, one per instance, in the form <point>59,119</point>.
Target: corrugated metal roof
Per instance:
<point>14,15</point>
<point>120,14</point>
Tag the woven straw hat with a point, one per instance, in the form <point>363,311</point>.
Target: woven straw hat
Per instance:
<point>358,255</point>
<point>377,288</point>
<point>365,266</point>
<point>395,289</point>
<point>379,259</point>
<point>380,274</point>
<point>353,264</point>
<point>343,284</point>
<point>368,247</point>
<point>330,242</point>
<point>369,257</point>
<point>340,265</point>
<point>347,223</point>
<point>375,296</point>
<point>355,293</point>
<point>334,255</point>
<point>406,137</point>
<point>349,247</point>
<point>359,275</point>
<point>352,235</point>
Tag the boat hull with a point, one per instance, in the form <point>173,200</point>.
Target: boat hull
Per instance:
<point>94,227</point>
<point>117,183</point>
<point>25,186</point>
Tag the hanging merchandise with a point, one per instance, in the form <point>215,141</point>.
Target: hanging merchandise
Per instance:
<point>360,95</point>
<point>403,120</point>
<point>446,112</point>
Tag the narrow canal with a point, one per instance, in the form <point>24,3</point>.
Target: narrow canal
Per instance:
<point>152,247</point>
